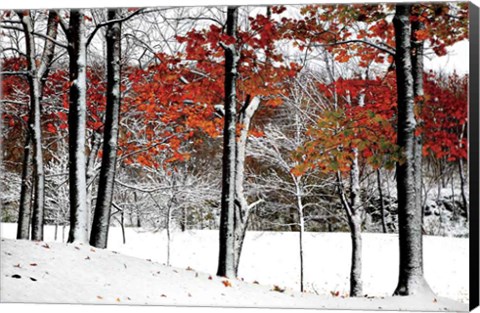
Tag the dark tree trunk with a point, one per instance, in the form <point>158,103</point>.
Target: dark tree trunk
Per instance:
<point>411,280</point>
<point>226,260</point>
<point>382,203</point>
<point>101,218</point>
<point>356,285</point>
<point>91,172</point>
<point>23,228</point>
<point>462,178</point>
<point>462,186</point>
<point>77,128</point>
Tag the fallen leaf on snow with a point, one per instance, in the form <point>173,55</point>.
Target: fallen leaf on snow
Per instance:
<point>226,283</point>
<point>33,264</point>
<point>33,279</point>
<point>278,288</point>
<point>16,276</point>
<point>335,293</point>
<point>99,297</point>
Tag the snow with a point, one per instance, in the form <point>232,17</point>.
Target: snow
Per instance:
<point>79,274</point>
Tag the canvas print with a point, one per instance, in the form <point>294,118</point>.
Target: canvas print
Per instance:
<point>281,156</point>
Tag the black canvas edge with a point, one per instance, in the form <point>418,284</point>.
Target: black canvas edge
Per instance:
<point>473,157</point>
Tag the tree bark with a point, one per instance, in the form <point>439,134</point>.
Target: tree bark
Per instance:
<point>417,72</point>
<point>355,223</point>
<point>462,178</point>
<point>226,260</point>
<point>91,160</point>
<point>242,208</point>
<point>411,280</point>
<point>101,218</point>
<point>382,204</point>
<point>36,79</point>
<point>77,129</point>
<point>356,284</point>
<point>23,228</point>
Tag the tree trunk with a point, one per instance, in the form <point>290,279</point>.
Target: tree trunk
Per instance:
<point>462,177</point>
<point>356,288</point>
<point>101,218</point>
<point>301,223</point>
<point>242,208</point>
<point>36,78</point>
<point>77,128</point>
<point>226,260</point>
<point>137,210</point>
<point>417,72</point>
<point>382,204</point>
<point>23,228</point>
<point>411,280</point>
<point>122,224</point>
<point>355,222</point>
<point>167,227</point>
<point>462,186</point>
<point>91,160</point>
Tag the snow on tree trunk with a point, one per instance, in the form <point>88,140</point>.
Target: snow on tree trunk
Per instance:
<point>355,223</point>
<point>36,78</point>
<point>417,72</point>
<point>101,218</point>
<point>38,169</point>
<point>411,280</point>
<point>77,128</point>
<point>91,160</point>
<point>226,259</point>
<point>242,208</point>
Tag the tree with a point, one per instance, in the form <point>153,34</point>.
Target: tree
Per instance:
<point>77,52</point>
<point>226,258</point>
<point>372,44</point>
<point>411,280</point>
<point>36,78</point>
<point>101,219</point>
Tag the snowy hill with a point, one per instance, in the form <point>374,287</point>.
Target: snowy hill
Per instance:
<point>59,273</point>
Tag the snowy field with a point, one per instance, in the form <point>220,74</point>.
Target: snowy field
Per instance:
<point>269,258</point>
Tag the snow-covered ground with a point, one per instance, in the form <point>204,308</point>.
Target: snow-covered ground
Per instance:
<point>83,275</point>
